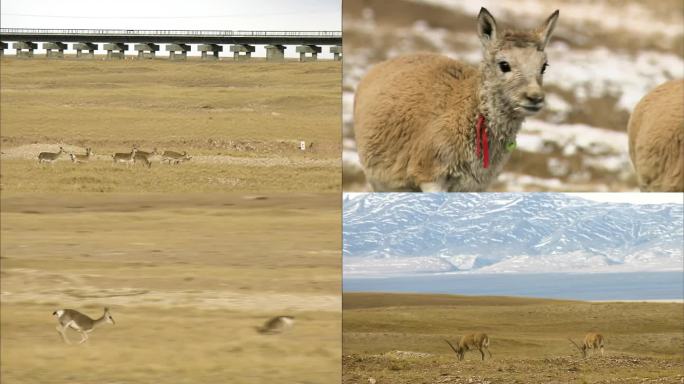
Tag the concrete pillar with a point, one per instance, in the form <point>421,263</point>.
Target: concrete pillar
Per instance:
<point>244,48</point>
<point>111,49</point>
<point>275,52</point>
<point>146,50</point>
<point>210,51</point>
<point>337,52</point>
<point>3,46</point>
<point>50,49</point>
<point>89,47</point>
<point>182,50</point>
<point>312,49</point>
<point>25,48</point>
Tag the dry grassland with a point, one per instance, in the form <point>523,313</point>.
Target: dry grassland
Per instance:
<point>187,278</point>
<point>398,338</point>
<point>241,122</point>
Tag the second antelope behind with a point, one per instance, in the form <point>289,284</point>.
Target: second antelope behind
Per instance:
<point>473,341</point>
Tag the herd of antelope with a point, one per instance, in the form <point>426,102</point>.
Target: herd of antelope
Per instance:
<point>480,341</point>
<point>135,156</point>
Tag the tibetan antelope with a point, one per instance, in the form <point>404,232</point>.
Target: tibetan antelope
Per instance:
<point>69,318</point>
<point>49,157</point>
<point>277,324</point>
<point>144,159</point>
<point>81,158</point>
<point>175,157</point>
<point>593,341</point>
<point>479,341</point>
<point>126,158</point>
<point>426,122</point>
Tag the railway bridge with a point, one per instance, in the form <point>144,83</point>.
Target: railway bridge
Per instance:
<point>146,43</point>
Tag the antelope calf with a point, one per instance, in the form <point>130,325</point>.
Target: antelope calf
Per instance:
<point>479,341</point>
<point>126,158</point>
<point>50,157</point>
<point>69,318</point>
<point>277,324</point>
<point>425,122</point>
<point>656,139</point>
<point>81,158</point>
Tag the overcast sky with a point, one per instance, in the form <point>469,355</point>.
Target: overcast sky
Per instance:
<point>305,15</point>
<point>290,15</point>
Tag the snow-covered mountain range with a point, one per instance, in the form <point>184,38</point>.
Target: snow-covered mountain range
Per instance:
<point>507,232</point>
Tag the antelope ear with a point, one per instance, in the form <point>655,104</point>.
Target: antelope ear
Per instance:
<point>546,30</point>
<point>486,27</point>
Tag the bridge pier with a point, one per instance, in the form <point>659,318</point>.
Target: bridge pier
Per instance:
<point>246,48</point>
<point>182,48</point>
<point>89,47</point>
<point>50,47</point>
<point>314,50</point>
<point>275,52</point>
<point>25,48</point>
<point>3,46</point>
<point>210,51</point>
<point>112,47</point>
<point>146,50</point>
<point>337,52</point>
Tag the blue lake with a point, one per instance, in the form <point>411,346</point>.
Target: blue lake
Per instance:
<point>598,286</point>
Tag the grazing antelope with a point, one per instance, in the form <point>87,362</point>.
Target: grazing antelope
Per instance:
<point>593,341</point>
<point>127,158</point>
<point>49,157</point>
<point>81,158</point>
<point>69,318</point>
<point>175,157</point>
<point>479,341</point>
<point>277,324</point>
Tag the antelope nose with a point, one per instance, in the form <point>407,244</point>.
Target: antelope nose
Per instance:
<point>535,97</point>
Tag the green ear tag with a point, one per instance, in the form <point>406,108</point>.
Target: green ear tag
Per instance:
<point>510,146</point>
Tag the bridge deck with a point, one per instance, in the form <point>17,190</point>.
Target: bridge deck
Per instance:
<point>172,36</point>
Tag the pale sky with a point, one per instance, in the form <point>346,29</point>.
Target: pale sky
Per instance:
<point>290,15</point>
<point>634,197</point>
<point>615,197</point>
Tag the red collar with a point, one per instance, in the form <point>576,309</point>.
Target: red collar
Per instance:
<point>481,137</point>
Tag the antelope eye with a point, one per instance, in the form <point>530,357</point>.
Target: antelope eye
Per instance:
<point>504,66</point>
<point>544,67</point>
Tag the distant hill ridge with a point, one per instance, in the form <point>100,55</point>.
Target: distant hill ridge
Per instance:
<point>506,232</point>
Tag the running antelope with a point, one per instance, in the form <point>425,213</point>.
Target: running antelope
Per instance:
<point>479,341</point>
<point>593,341</point>
<point>49,157</point>
<point>69,318</point>
<point>127,158</point>
<point>175,157</point>
<point>82,158</point>
<point>277,324</point>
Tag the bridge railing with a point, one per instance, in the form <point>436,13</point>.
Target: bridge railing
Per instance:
<point>166,32</point>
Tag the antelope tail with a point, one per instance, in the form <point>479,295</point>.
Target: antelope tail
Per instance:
<point>451,345</point>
